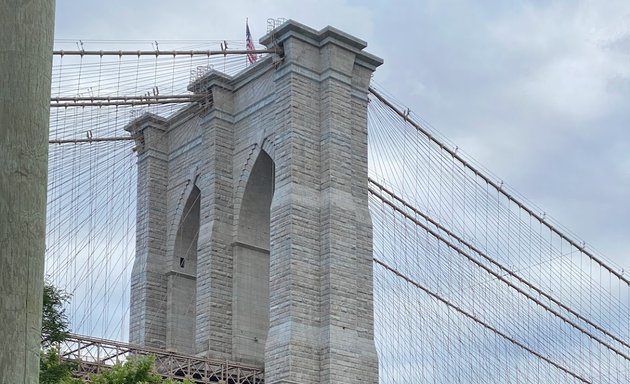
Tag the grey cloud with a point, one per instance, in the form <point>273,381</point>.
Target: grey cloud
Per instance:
<point>532,90</point>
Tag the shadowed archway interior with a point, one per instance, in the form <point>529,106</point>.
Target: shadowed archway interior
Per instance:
<point>182,278</point>
<point>250,303</point>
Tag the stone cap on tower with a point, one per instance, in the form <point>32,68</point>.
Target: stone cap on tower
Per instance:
<point>147,130</point>
<point>144,121</point>
<point>283,38</point>
<point>327,35</point>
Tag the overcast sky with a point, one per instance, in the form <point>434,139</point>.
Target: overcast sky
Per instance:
<point>538,92</point>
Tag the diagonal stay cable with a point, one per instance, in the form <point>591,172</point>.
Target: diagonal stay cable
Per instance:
<point>479,321</point>
<point>494,262</point>
<point>498,187</point>
<point>495,274</point>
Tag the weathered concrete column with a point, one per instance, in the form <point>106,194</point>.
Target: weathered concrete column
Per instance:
<point>148,282</point>
<point>25,73</point>
<point>321,317</point>
<point>284,249</point>
<point>215,263</point>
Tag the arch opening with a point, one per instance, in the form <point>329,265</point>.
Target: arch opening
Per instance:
<point>185,255</point>
<point>182,279</point>
<point>251,264</point>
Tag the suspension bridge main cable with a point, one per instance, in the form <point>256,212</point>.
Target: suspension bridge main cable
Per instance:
<point>105,101</point>
<point>496,275</point>
<point>478,321</point>
<point>488,258</point>
<point>156,53</point>
<point>496,186</point>
<point>91,140</point>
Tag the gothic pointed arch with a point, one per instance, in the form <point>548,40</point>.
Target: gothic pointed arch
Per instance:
<point>251,266</point>
<point>182,278</point>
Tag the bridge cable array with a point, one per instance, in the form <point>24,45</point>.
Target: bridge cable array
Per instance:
<point>459,239</point>
<point>471,284</point>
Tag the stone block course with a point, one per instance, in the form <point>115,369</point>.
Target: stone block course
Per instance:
<point>282,278</point>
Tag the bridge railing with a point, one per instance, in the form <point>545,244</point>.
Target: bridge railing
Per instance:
<point>93,355</point>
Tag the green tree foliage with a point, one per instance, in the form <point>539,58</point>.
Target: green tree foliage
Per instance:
<point>54,320</point>
<point>137,370</point>
<point>52,370</point>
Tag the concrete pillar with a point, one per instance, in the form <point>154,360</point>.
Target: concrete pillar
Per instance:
<point>284,248</point>
<point>321,317</point>
<point>25,73</point>
<point>215,264</point>
<point>148,281</point>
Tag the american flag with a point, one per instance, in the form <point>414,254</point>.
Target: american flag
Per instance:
<point>249,43</point>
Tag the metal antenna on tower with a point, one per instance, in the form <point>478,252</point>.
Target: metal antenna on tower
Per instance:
<point>274,23</point>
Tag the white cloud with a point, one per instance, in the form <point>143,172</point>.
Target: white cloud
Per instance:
<point>572,65</point>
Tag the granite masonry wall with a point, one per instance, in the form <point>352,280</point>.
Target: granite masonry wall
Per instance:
<point>254,240</point>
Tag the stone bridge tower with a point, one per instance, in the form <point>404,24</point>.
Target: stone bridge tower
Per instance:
<point>254,240</point>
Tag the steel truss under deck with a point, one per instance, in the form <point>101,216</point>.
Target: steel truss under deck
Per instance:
<point>93,355</point>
